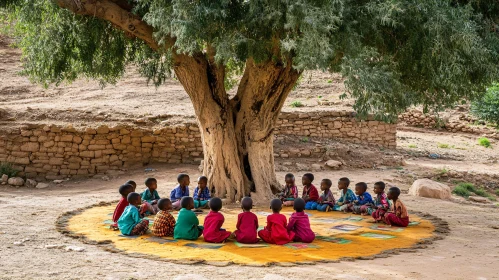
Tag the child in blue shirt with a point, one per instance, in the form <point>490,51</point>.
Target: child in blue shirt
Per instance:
<point>201,193</point>
<point>150,196</point>
<point>130,222</point>
<point>181,190</point>
<point>346,195</point>
<point>363,198</point>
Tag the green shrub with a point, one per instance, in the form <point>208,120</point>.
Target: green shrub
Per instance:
<point>305,140</point>
<point>497,192</point>
<point>443,146</point>
<point>7,169</point>
<point>412,146</point>
<point>329,81</point>
<point>484,142</point>
<point>296,104</point>
<point>461,191</point>
<point>487,107</point>
<point>481,192</point>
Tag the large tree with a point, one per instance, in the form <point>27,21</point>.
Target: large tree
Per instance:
<point>392,54</point>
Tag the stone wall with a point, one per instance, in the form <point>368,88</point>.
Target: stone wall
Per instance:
<point>54,152</point>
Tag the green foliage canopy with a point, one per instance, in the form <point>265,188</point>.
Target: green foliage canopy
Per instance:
<point>393,54</point>
<point>487,108</point>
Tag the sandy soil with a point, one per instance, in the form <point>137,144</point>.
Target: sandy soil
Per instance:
<point>471,251</point>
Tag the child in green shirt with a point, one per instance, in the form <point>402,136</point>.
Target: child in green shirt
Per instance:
<point>187,226</point>
<point>130,222</point>
<point>150,196</point>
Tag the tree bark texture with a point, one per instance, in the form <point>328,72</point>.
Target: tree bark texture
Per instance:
<point>237,133</point>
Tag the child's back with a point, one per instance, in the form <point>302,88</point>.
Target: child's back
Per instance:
<point>276,230</point>
<point>164,222</point>
<point>299,224</point>
<point>187,226</point>
<point>247,225</point>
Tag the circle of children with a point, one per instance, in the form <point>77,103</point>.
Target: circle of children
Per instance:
<point>129,213</point>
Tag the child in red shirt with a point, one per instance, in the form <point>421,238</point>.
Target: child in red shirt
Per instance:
<point>276,230</point>
<point>213,222</point>
<point>299,223</point>
<point>247,223</point>
<point>122,204</point>
<point>310,193</point>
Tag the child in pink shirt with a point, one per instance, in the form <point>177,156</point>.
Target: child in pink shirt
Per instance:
<point>299,223</point>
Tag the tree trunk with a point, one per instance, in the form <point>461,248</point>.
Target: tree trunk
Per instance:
<point>237,134</point>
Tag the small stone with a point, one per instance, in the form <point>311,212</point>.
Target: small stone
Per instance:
<point>42,185</point>
<point>334,164</point>
<point>19,243</point>
<point>30,183</point>
<point>478,199</point>
<point>316,167</point>
<point>5,178</point>
<point>56,246</point>
<point>75,249</point>
<point>105,178</point>
<point>58,181</point>
<point>16,181</point>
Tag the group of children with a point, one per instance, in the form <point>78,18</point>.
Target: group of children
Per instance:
<point>131,209</point>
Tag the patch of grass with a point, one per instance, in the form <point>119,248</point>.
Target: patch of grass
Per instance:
<point>484,142</point>
<point>329,81</point>
<point>443,145</point>
<point>7,169</point>
<point>305,139</point>
<point>467,189</point>
<point>497,192</point>
<point>296,104</point>
<point>320,96</point>
<point>443,171</point>
<point>412,146</point>
<point>461,191</point>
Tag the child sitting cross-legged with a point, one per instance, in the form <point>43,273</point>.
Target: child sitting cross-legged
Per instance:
<point>130,222</point>
<point>326,201</point>
<point>380,203</point>
<point>290,192</point>
<point>247,223</point>
<point>397,216</point>
<point>276,231</point>
<point>180,191</point>
<point>364,199</point>
<point>201,193</point>
<point>187,226</point>
<point>299,223</point>
<point>310,193</point>
<point>122,204</point>
<point>151,196</point>
<point>164,222</point>
<point>213,231</point>
<point>347,195</point>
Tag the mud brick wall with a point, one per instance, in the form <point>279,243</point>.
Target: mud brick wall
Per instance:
<point>54,152</point>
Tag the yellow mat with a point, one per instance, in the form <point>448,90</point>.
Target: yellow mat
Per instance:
<point>338,236</point>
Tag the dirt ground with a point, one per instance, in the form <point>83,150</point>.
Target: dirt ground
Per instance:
<point>471,251</point>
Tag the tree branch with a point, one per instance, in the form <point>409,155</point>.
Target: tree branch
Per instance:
<point>117,13</point>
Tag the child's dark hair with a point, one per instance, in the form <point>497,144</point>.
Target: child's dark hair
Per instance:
<point>362,185</point>
<point>125,189</point>
<point>185,201</point>
<point>247,203</point>
<point>163,203</point>
<point>150,181</point>
<point>289,176</point>
<point>181,177</point>
<point>345,180</point>
<point>381,185</point>
<point>309,176</point>
<point>203,178</point>
<point>132,197</point>
<point>215,204</point>
<point>131,182</point>
<point>395,191</point>
<point>276,205</point>
<point>299,205</point>
<point>327,182</point>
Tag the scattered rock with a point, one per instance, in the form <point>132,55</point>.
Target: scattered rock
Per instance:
<point>334,164</point>
<point>429,188</point>
<point>30,183</point>
<point>75,248</point>
<point>301,166</point>
<point>58,246</point>
<point>58,181</point>
<point>5,178</point>
<point>478,199</point>
<point>201,166</point>
<point>104,178</point>
<point>42,185</point>
<point>316,167</point>
<point>16,181</point>
<point>19,243</point>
